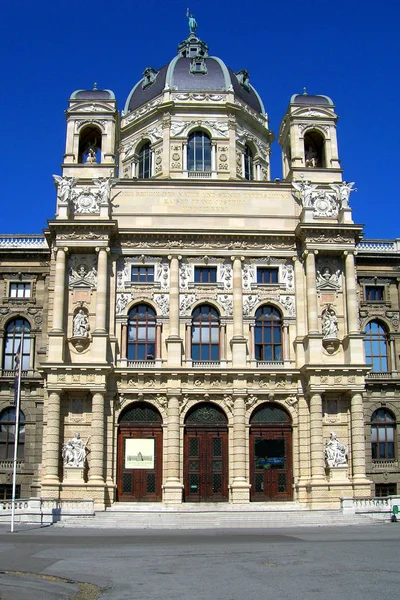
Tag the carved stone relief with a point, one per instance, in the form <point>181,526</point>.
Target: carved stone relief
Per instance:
<point>248,276</point>
<point>249,303</point>
<point>82,270</point>
<point>217,128</point>
<point>289,303</point>
<point>185,302</point>
<point>162,301</point>
<point>226,301</point>
<point>329,275</point>
<point>225,275</point>
<point>122,301</point>
<point>287,276</point>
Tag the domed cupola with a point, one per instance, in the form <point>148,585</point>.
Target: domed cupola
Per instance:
<point>194,117</point>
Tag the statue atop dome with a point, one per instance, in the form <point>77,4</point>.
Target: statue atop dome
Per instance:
<point>192,22</point>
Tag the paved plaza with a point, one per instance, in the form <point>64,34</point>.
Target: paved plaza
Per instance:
<point>333,563</point>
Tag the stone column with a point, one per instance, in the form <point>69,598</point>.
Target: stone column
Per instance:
<point>222,336</point>
<point>188,341</point>
<point>124,340</point>
<point>351,294</point>
<point>243,164</point>
<point>96,472</point>
<point>53,443</point>
<point>213,157</point>
<point>238,342</point>
<point>101,296</point>
<point>316,441</point>
<point>312,304</point>
<point>240,486</point>
<point>357,436</point>
<point>158,341</point>
<point>285,341</point>
<point>173,486</point>
<point>174,342</point>
<point>184,155</point>
<point>59,290</point>
<point>300,297</point>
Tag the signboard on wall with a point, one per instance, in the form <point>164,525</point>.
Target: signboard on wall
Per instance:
<point>139,453</point>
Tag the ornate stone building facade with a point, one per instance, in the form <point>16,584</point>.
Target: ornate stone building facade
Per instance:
<point>194,330</point>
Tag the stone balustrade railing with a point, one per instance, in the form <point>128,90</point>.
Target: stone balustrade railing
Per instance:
<point>381,246</point>
<point>369,505</point>
<point>23,241</point>
<point>44,511</point>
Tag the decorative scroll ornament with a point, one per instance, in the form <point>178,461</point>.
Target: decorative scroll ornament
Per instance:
<point>249,303</point>
<point>226,301</point>
<point>162,301</point>
<point>185,303</point>
<point>74,452</point>
<point>336,452</point>
<point>82,270</point>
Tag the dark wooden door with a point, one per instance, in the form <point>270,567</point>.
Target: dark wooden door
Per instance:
<point>139,465</point>
<point>271,463</point>
<point>206,465</point>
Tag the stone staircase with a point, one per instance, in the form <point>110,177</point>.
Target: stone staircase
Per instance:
<point>211,516</point>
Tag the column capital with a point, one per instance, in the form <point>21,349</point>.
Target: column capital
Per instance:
<point>241,258</point>
<point>57,248</point>
<point>350,253</point>
<point>177,256</point>
<point>106,248</point>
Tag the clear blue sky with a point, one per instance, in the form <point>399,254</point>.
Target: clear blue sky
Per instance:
<point>348,50</point>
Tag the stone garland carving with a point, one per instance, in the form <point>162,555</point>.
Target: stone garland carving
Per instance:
<point>287,277</point>
<point>243,135</point>
<point>82,270</point>
<point>226,301</point>
<point>79,123</point>
<point>176,156</point>
<point>162,301</point>
<point>74,452</point>
<point>330,326</point>
<point>140,112</point>
<point>198,97</point>
<point>304,126</point>
<point>288,303</point>
<point>158,161</point>
<point>336,452</point>
<point>185,275</point>
<point>162,275</point>
<point>249,303</point>
<point>185,302</point>
<point>328,276</point>
<point>216,244</point>
<point>239,163</point>
<point>325,203</point>
<point>248,276</point>
<point>219,129</point>
<point>80,324</point>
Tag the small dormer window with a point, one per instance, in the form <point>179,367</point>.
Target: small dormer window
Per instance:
<point>149,77</point>
<point>198,65</point>
<point>243,79</point>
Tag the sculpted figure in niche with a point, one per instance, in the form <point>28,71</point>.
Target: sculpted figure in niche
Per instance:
<point>335,452</point>
<point>311,158</point>
<point>81,324</point>
<point>330,326</point>
<point>74,452</point>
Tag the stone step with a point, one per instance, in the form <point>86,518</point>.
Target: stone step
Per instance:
<point>212,520</point>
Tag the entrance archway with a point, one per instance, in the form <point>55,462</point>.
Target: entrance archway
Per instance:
<point>206,454</point>
<point>139,454</point>
<point>270,454</point>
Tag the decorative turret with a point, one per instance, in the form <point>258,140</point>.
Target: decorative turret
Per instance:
<point>308,140</point>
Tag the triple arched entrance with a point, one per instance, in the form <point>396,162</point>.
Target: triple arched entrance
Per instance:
<point>205,454</point>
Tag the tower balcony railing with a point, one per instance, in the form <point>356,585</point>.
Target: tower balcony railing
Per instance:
<point>200,174</point>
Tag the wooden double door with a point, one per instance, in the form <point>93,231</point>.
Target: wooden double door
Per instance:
<point>271,462</point>
<point>206,464</point>
<point>139,463</point>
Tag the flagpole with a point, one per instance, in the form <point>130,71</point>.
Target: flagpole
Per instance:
<point>16,435</point>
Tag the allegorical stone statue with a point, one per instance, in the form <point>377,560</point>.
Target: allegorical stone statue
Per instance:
<point>335,452</point>
<point>343,191</point>
<point>330,326</point>
<point>64,187</point>
<point>74,452</point>
<point>104,184</point>
<point>81,324</point>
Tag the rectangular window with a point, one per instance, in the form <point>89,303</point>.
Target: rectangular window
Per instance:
<point>374,293</point>
<point>20,290</point>
<point>142,274</point>
<point>267,275</point>
<point>205,274</point>
<point>6,492</point>
<point>385,489</point>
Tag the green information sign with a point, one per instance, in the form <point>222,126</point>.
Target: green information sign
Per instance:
<point>395,509</point>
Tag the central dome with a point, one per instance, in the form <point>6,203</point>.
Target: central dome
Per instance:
<point>192,70</point>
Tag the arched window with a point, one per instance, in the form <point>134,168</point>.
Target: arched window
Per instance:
<point>268,334</point>
<point>383,428</point>
<point>314,150</point>
<point>248,163</point>
<point>376,347</point>
<point>89,145</point>
<point>7,434</point>
<point>13,342</point>
<point>205,333</point>
<point>199,152</point>
<point>144,163</point>
<point>141,333</point>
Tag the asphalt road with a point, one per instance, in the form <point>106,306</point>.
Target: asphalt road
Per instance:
<point>333,563</point>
